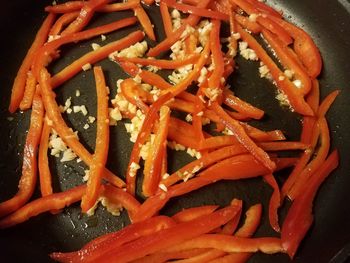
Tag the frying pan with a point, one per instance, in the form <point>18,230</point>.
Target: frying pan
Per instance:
<point>328,240</point>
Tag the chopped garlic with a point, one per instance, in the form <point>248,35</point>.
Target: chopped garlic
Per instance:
<point>253,17</point>
<point>114,116</point>
<point>194,153</point>
<point>212,93</point>
<point>176,146</point>
<point>86,126</point>
<point>297,83</point>
<point>136,50</point>
<point>103,37</point>
<point>95,46</point>
<point>163,187</point>
<point>289,73</point>
<point>283,99</point>
<point>91,119</point>
<point>189,117</point>
<point>113,208</point>
<point>133,169</point>
<point>68,155</point>
<point>86,67</point>
<point>77,93</point>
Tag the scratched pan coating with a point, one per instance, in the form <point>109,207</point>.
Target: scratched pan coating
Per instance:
<point>328,22</point>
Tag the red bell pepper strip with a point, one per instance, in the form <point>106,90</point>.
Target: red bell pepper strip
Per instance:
<point>153,164</point>
<point>29,92</point>
<point>214,81</point>
<point>299,217</point>
<point>274,203</point>
<point>62,21</point>
<point>251,223</point>
<point>202,163</point>
<point>264,8</point>
<point>268,245</point>
<point>315,163</point>
<point>145,22</point>
<point>133,92</point>
<point>191,20</point>
<point>223,6</point>
<point>47,203</point>
<point>230,227</point>
<point>161,63</point>
<point>143,135</point>
<point>193,213</point>
<point>285,85</point>
<point>168,237</point>
<point>199,11</point>
<point>28,179</point>
<point>236,167</point>
<point>244,21</point>
<point>242,137</point>
<point>259,135</point>
<point>94,56</point>
<point>148,2</point>
<point>278,31</point>
<point>289,61</point>
<point>241,106</point>
<point>84,17</point>
<point>313,97</point>
<point>101,146</point>
<point>72,6</point>
<point>21,77</point>
<point>101,244</point>
<point>46,53</point>
<point>43,162</point>
<point>326,103</point>
<point>118,195</point>
<point>304,47</point>
<point>191,42</point>
<point>167,24</point>
<point>63,130</point>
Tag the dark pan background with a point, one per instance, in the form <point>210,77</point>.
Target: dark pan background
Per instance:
<point>328,22</point>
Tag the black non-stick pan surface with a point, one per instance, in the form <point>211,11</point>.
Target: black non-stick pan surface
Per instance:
<point>328,22</point>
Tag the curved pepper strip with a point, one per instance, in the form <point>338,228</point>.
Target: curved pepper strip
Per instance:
<point>145,21</point>
<point>285,85</point>
<point>279,32</point>
<point>28,178</point>
<point>191,20</point>
<point>244,21</point>
<point>153,164</point>
<point>251,223</point>
<point>29,92</point>
<point>46,53</point>
<point>63,130</point>
<point>168,237</point>
<point>143,135</point>
<point>47,203</point>
<point>43,162</point>
<point>299,217</point>
<point>94,56</point>
<point>72,6</point>
<point>167,23</point>
<point>274,203</point>
<point>192,213</point>
<point>199,11</point>
<point>21,77</point>
<point>100,155</point>
<point>62,21</point>
<point>242,137</point>
<point>304,47</point>
<point>84,17</point>
<point>102,244</point>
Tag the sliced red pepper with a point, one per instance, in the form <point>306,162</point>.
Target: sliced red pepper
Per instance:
<point>84,17</point>
<point>100,245</point>
<point>191,42</point>
<point>72,6</point>
<point>191,20</point>
<point>144,133</point>
<point>153,164</point>
<point>326,103</point>
<point>167,23</point>
<point>244,21</point>
<point>199,11</point>
<point>29,92</point>
<point>242,137</point>
<point>315,163</point>
<point>145,22</point>
<point>285,85</point>
<point>62,21</point>
<point>101,146</point>
<point>21,77</point>
<point>67,135</point>
<point>28,178</point>
<point>264,8</point>
<point>280,33</point>
<point>304,46</point>
<point>313,97</point>
<point>47,203</point>
<point>118,6</point>
<point>43,162</point>
<point>168,237</point>
<point>241,106</point>
<point>275,202</point>
<point>289,61</point>
<point>94,56</point>
<point>193,213</point>
<point>299,217</point>
<point>133,92</point>
<point>232,244</point>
